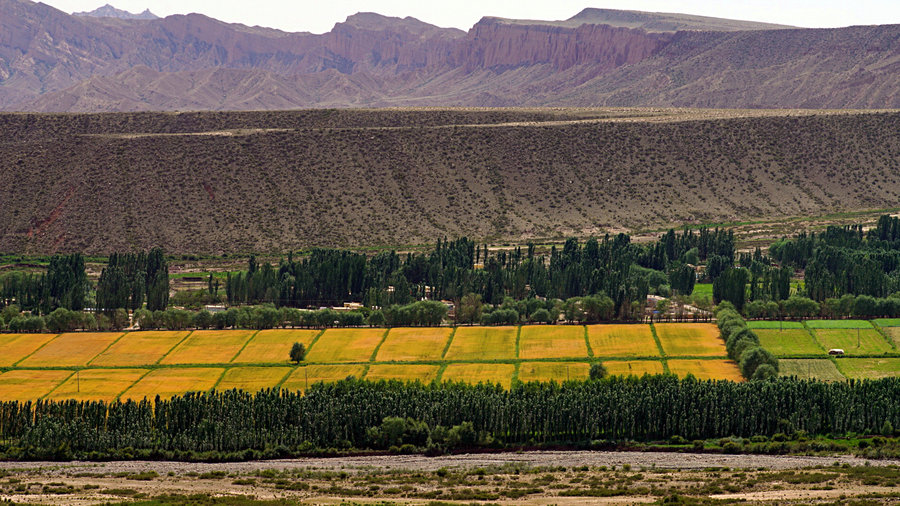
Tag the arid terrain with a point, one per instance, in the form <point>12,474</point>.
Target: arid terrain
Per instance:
<point>570,478</point>
<point>272,181</point>
<point>54,61</point>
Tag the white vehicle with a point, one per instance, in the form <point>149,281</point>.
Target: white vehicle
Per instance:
<point>835,351</point>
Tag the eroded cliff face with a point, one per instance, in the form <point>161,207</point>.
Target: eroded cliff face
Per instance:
<point>495,44</point>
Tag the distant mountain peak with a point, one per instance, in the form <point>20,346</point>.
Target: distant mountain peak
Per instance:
<point>108,11</point>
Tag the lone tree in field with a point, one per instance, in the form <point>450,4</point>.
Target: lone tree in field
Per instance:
<point>598,370</point>
<point>298,352</point>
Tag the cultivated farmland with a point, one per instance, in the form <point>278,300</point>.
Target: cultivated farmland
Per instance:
<point>97,384</point>
<point>252,379</point>
<point>411,344</point>
<point>861,368</point>
<point>706,369</point>
<point>820,369</point>
<point>480,373</point>
<point>274,345</point>
<point>854,341</point>
<point>552,341</point>
<point>346,345</point>
<point>478,343</point>
<point>553,371</point>
<point>307,375</point>
<point>690,340</point>
<point>209,347</point>
<point>410,372</point>
<point>622,341</point>
<point>633,367</point>
<point>790,341</point>
<point>27,385</point>
<point>893,333</point>
<point>71,350</point>
<point>139,348</point>
<point>18,346</point>
<point>173,381</point>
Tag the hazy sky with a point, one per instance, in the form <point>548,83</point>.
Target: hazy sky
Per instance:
<point>320,15</point>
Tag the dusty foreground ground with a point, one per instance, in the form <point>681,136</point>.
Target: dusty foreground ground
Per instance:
<point>508,478</point>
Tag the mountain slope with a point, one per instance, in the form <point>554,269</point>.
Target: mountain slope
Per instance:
<point>52,61</point>
<point>272,181</point>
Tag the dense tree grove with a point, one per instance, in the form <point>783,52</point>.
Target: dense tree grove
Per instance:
<point>846,260</point>
<point>343,414</point>
<point>743,345</point>
<point>64,285</point>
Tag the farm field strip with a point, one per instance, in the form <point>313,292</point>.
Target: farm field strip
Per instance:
<point>706,369</point>
<point>346,345</point>
<point>18,346</point>
<point>854,341</point>
<point>252,379</point>
<point>860,368</point>
<point>410,372</point>
<point>74,349</point>
<point>209,347</point>
<point>174,381</point>
<point>553,371</point>
<point>888,322</point>
<point>838,324</point>
<point>480,373</point>
<point>307,375</point>
<point>770,324</point>
<point>139,348</point>
<point>789,342</point>
<point>818,368</point>
<point>274,345</point>
<point>893,333</point>
<point>477,343</point>
<point>410,344</point>
<point>633,367</point>
<point>97,384</point>
<point>622,341</point>
<point>690,339</point>
<point>28,385</point>
<point>552,341</point>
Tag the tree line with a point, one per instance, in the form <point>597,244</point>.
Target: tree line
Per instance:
<point>352,414</point>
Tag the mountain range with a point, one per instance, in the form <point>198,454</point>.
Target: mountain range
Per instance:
<point>54,61</point>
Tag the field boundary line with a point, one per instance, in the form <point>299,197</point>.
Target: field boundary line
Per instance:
<point>221,377</point>
<point>179,343</point>
<point>515,375</point>
<point>290,370</point>
<point>39,348</point>
<point>119,396</point>
<point>236,355</point>
<point>815,338</point>
<point>662,353</point>
<point>439,377</point>
<point>106,349</point>
<point>449,343</point>
<point>378,347</point>
<point>315,340</point>
<point>366,366</point>
<point>588,342</point>
<point>67,378</point>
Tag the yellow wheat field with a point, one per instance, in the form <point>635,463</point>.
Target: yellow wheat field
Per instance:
<point>706,369</point>
<point>208,347</point>
<point>411,344</point>
<point>622,341</point>
<point>690,340</point>
<point>483,343</point>
<point>15,347</point>
<point>480,373</point>
<point>252,379</point>
<point>72,349</point>
<point>552,341</point>
<point>274,345</point>
<point>173,381</point>
<point>633,367</point>
<point>97,384</point>
<point>308,375</point>
<point>553,371</point>
<point>406,372</point>
<point>29,385</point>
<point>345,345</point>
<point>139,348</point>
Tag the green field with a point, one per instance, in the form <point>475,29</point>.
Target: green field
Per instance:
<point>838,324</point>
<point>821,369</point>
<point>862,368</point>
<point>854,341</point>
<point>768,324</point>
<point>887,322</point>
<point>789,342</point>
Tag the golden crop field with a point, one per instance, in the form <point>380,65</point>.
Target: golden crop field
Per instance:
<point>480,373</point>
<point>18,346</point>
<point>71,350</point>
<point>480,343</point>
<point>552,371</point>
<point>209,347</point>
<point>633,367</point>
<point>252,379</point>
<point>346,345</point>
<point>622,341</point>
<point>810,368</point>
<point>307,375</point>
<point>706,369</point>
<point>97,384</point>
<point>412,344</point>
<point>690,340</point>
<point>171,381</point>
<point>139,348</point>
<point>552,341</point>
<point>894,334</point>
<point>29,385</point>
<point>410,372</point>
<point>274,345</point>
